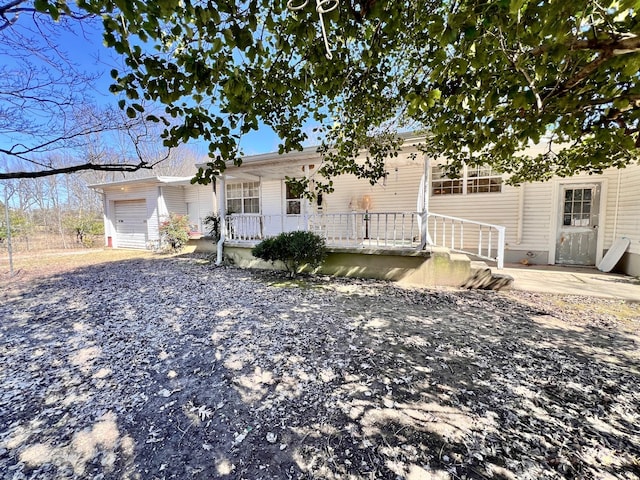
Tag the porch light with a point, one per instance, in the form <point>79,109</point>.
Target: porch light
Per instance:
<point>366,205</point>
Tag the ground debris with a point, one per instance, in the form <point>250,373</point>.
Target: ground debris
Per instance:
<point>177,370</point>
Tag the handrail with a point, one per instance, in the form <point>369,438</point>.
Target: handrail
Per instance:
<point>476,240</point>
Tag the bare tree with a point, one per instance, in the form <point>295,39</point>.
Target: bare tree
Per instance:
<point>47,102</point>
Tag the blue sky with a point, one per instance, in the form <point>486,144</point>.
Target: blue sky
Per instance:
<point>94,57</point>
<point>84,47</point>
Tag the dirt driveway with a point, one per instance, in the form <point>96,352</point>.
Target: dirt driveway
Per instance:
<point>166,368</point>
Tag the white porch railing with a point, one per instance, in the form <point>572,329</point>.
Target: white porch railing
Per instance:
<point>392,230</point>
<point>482,240</point>
<point>378,229</point>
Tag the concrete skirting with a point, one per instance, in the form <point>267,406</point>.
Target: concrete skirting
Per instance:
<point>436,266</point>
<point>629,264</point>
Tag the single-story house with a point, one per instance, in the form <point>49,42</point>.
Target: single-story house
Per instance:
<point>565,221</point>
<point>415,208</point>
<point>134,209</point>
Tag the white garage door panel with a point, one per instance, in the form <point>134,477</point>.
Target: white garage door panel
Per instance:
<point>131,224</point>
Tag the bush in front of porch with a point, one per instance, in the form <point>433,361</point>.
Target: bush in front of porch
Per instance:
<point>293,249</point>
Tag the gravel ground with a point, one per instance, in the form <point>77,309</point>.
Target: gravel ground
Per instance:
<point>163,368</point>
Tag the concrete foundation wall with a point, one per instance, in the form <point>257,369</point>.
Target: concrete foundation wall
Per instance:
<point>629,264</point>
<point>532,257</point>
<point>436,267</point>
<point>202,245</point>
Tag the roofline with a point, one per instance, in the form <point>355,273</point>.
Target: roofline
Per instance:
<point>151,180</point>
<point>307,153</point>
<point>269,157</point>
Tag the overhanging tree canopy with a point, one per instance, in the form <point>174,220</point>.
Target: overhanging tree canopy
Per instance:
<point>484,79</point>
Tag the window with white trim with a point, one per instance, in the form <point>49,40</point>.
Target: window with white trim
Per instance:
<point>243,197</point>
<point>482,179</point>
<point>443,185</point>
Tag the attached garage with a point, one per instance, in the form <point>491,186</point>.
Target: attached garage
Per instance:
<point>134,209</point>
<point>131,223</point>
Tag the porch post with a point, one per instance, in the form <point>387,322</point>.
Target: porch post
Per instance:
<point>222,212</point>
<point>500,252</point>
<point>425,237</point>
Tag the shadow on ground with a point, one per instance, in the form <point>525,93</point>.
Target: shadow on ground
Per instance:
<point>167,368</point>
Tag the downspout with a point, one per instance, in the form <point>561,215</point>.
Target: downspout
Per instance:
<point>520,227</point>
<point>222,211</point>
<point>427,183</point>
<point>615,215</point>
<point>105,218</point>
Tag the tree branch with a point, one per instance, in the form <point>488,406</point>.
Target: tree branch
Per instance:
<point>77,168</point>
<point>8,7</point>
<point>608,49</point>
<point>11,8</point>
<point>614,46</point>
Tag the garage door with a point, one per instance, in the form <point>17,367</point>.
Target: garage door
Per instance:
<point>131,224</point>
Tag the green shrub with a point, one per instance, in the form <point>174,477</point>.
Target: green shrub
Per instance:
<point>268,250</point>
<point>175,232</point>
<point>293,249</point>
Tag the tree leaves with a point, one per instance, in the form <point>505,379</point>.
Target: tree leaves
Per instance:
<point>485,77</point>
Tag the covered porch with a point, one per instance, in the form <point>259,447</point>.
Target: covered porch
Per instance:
<point>255,204</point>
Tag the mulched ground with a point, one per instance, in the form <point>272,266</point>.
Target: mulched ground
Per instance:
<point>163,368</point>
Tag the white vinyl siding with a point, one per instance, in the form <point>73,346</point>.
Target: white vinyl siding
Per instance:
<point>397,193</point>
<point>271,191</point>
<point>498,209</point>
<point>627,221</point>
<point>131,223</point>
<point>271,197</point>
<point>538,216</point>
<point>174,200</point>
<point>200,202</point>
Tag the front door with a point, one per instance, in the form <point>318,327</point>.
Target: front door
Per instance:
<point>578,224</point>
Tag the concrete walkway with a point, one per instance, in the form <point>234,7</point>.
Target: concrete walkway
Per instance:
<point>573,281</point>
